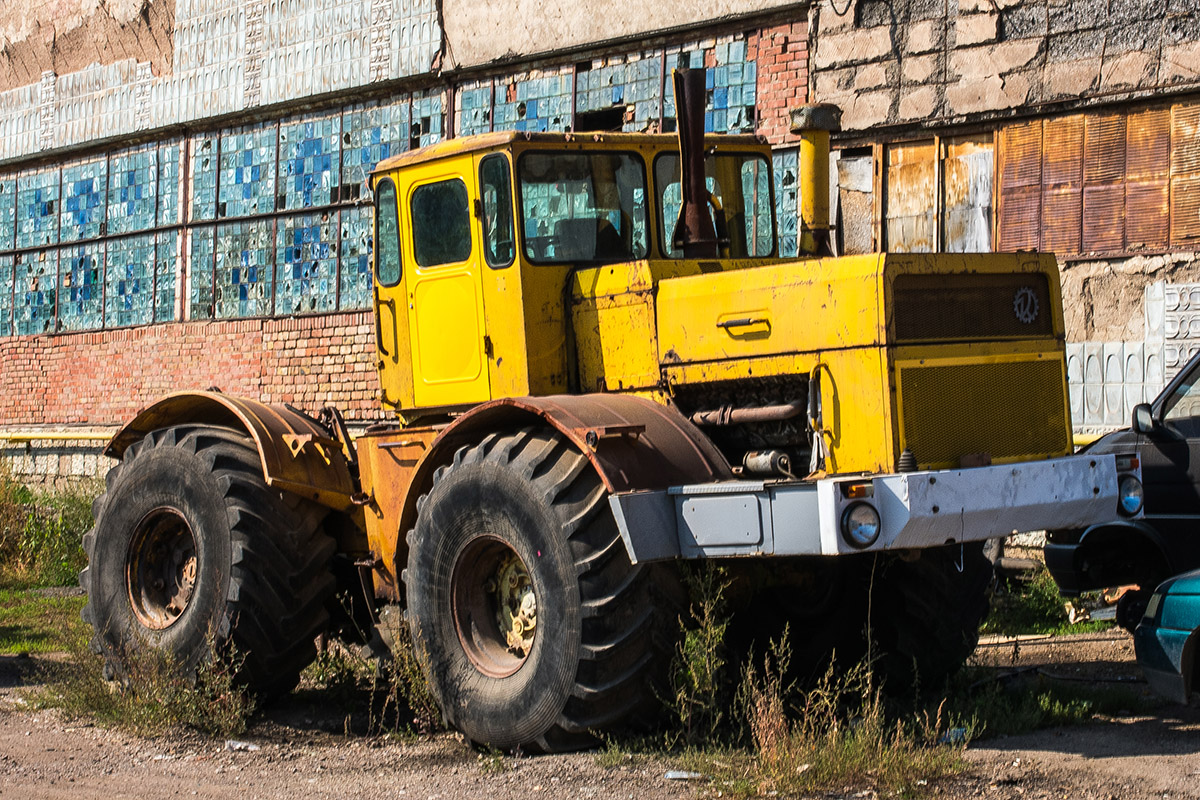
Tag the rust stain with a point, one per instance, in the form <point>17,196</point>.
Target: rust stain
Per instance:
<point>910,224</point>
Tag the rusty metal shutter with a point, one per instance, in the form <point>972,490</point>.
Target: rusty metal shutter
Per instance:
<point>1062,184</point>
<point>1147,176</point>
<point>1104,183</point>
<point>967,194</point>
<point>1020,211</point>
<point>1185,175</point>
<point>910,222</point>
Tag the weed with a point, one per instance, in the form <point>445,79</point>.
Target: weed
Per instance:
<point>697,671</point>
<point>336,672</point>
<point>1032,605</point>
<point>41,533</point>
<point>1028,700</point>
<point>493,762</point>
<point>155,694</point>
<point>398,684</point>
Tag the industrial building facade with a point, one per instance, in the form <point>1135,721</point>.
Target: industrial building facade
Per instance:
<point>182,182</point>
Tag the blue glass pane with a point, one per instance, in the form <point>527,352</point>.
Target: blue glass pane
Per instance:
<point>426,123</point>
<point>731,83</point>
<point>37,208</point>
<point>355,274</point>
<point>81,287</point>
<point>533,102</point>
<point>475,109</point>
<point>369,135</point>
<point>309,153</point>
<point>785,165</point>
<point>247,172</point>
<point>168,184</point>
<point>36,283</point>
<point>306,264</point>
<point>164,293</point>
<point>245,260</point>
<point>83,200</point>
<point>200,274</point>
<point>129,282</point>
<point>8,212</point>
<point>132,190</point>
<point>204,177</point>
<point>633,84</point>
<point>6,295</point>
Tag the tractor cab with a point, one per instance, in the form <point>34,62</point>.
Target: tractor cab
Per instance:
<point>478,240</point>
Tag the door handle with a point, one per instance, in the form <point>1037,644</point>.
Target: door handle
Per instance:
<point>742,322</point>
<point>391,304</point>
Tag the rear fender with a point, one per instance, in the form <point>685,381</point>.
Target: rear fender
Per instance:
<point>632,443</point>
<point>1132,537</point>
<point>297,454</point>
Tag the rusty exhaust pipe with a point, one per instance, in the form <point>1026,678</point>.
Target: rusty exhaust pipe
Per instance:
<point>695,231</point>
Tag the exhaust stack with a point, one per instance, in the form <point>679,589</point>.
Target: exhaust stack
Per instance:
<point>813,122</point>
<point>695,231</point>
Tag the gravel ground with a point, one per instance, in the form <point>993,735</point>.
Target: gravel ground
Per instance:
<point>300,752</point>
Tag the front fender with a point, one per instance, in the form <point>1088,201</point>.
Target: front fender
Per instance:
<point>297,454</point>
<point>1073,564</point>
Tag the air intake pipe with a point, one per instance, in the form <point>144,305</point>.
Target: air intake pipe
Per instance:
<point>813,123</point>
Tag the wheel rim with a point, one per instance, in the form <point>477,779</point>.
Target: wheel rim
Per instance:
<point>160,570</point>
<point>495,606</point>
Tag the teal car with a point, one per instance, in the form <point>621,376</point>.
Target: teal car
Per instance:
<point>1168,636</point>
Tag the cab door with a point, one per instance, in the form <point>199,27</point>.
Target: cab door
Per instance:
<point>445,293</point>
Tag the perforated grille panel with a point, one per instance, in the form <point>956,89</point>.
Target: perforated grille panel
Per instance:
<point>971,306</point>
<point>1006,410</point>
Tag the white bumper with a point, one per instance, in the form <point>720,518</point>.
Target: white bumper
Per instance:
<point>916,509</point>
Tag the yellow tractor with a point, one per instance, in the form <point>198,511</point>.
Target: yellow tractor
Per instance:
<point>599,369</point>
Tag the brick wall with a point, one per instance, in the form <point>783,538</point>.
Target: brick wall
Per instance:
<point>104,378</point>
<point>782,54</point>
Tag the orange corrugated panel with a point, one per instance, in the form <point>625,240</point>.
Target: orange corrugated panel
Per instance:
<point>1062,159</point>
<point>1062,216</point>
<point>1147,210</point>
<point>1148,145</point>
<point>1021,155</point>
<point>1020,218</point>
<point>1185,175</point>
<point>1185,211</point>
<point>1020,194</point>
<point>1104,218</point>
<point>1104,149</point>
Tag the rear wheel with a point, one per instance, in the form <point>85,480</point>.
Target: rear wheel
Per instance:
<point>534,628</point>
<point>191,550</point>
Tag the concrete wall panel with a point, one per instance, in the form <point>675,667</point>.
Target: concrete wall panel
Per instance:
<point>532,27</point>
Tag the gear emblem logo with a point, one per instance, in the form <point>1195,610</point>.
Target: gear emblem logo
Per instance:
<point>1025,305</point>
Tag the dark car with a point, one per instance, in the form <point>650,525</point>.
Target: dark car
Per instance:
<point>1165,436</point>
<point>1167,639</point>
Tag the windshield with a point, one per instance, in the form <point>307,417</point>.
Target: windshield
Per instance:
<point>741,184</point>
<point>582,206</point>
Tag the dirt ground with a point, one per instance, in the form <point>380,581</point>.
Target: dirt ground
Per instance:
<point>302,753</point>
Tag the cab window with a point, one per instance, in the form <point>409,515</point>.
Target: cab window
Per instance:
<point>495,188</point>
<point>387,234</point>
<point>441,223</point>
<point>741,184</point>
<point>582,207</point>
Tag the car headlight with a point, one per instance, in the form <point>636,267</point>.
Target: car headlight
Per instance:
<point>860,525</point>
<point>1129,495</point>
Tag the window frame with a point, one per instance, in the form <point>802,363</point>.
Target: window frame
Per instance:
<point>414,191</point>
<point>512,207</point>
<point>519,221</point>
<point>378,251</point>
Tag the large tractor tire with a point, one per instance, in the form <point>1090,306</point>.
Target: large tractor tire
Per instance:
<point>534,629</point>
<point>926,612</point>
<point>192,552</point>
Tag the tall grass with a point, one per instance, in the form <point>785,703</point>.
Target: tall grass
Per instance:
<point>41,533</point>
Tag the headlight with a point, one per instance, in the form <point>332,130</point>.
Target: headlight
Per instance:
<point>1129,495</point>
<point>860,525</point>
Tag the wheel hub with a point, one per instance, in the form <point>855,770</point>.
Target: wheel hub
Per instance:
<point>495,606</point>
<point>160,568</point>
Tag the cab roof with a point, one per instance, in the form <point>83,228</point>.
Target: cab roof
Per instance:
<point>501,139</point>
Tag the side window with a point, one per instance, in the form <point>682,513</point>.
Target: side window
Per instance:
<point>441,223</point>
<point>387,234</point>
<point>1182,408</point>
<point>496,189</point>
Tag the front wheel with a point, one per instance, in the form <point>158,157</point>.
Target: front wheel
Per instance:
<point>192,551</point>
<point>534,628</point>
